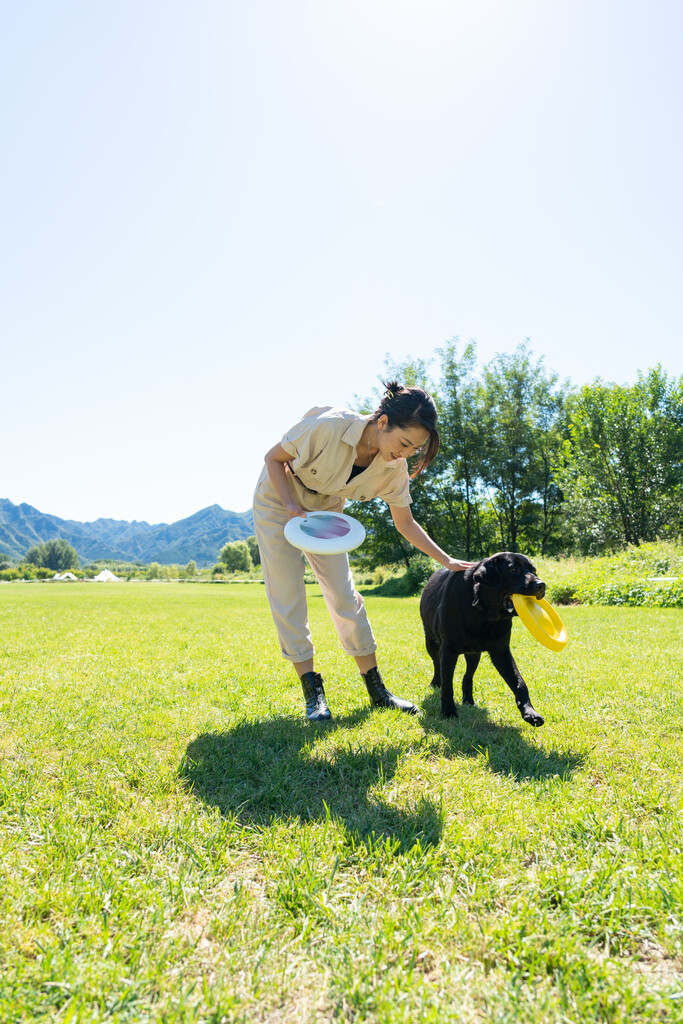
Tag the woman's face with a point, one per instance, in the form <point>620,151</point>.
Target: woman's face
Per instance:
<point>399,442</point>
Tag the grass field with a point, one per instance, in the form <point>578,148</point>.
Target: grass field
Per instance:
<point>179,845</point>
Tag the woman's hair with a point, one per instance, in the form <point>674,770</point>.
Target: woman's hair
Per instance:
<point>411,407</point>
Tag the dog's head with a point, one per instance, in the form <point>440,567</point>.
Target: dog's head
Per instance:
<point>501,576</point>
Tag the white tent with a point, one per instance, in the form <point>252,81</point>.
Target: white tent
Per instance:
<point>106,576</point>
<point>64,576</point>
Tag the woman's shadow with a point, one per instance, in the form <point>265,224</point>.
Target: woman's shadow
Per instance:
<point>287,769</point>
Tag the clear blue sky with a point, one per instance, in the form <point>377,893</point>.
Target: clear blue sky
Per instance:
<point>217,214</point>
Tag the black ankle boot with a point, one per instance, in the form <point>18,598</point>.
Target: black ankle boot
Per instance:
<point>380,696</point>
<point>314,695</point>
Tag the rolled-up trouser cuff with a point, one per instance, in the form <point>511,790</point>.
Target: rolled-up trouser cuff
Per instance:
<point>296,658</point>
<point>362,653</point>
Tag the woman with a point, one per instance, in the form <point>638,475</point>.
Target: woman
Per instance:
<point>331,456</point>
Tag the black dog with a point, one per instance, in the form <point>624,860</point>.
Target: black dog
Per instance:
<point>470,612</point>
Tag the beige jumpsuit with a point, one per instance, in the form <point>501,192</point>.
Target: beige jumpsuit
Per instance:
<point>323,449</point>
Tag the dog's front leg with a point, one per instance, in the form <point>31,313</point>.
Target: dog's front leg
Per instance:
<point>505,664</point>
<point>472,662</point>
<point>449,656</point>
<point>433,650</point>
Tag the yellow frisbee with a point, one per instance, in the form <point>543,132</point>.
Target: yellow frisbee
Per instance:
<point>542,621</point>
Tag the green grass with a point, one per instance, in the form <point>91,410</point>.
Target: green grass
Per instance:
<point>178,845</point>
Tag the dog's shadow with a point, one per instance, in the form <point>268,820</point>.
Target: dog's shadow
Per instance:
<point>286,769</point>
<point>505,748</point>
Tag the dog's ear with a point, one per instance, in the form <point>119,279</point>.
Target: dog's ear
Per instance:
<point>488,575</point>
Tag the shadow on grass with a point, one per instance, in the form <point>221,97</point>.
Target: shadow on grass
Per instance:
<point>269,769</point>
<point>506,748</point>
<point>283,768</point>
<point>394,587</point>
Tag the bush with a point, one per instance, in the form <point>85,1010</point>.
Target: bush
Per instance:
<point>10,574</point>
<point>418,572</point>
<point>27,570</point>
<point>646,575</point>
<point>635,592</point>
<point>561,593</point>
<point>395,586</point>
<point>363,580</point>
<point>411,582</point>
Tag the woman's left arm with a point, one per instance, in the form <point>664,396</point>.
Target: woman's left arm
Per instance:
<point>415,535</point>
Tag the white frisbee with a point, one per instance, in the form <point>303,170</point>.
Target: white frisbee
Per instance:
<point>325,533</point>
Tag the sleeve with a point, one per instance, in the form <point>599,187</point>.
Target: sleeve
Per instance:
<point>308,438</point>
<point>398,491</point>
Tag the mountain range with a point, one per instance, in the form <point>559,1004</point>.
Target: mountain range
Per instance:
<point>199,537</point>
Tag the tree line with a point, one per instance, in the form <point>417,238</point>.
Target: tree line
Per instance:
<point>529,463</point>
<point>43,560</point>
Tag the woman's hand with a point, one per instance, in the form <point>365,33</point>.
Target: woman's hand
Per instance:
<point>278,471</point>
<point>456,565</point>
<point>294,510</point>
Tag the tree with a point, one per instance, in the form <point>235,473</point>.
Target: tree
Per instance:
<point>383,544</point>
<point>155,571</point>
<point>552,430</point>
<point>57,555</point>
<point>191,569</point>
<point>521,411</point>
<point>456,490</point>
<point>235,556</point>
<point>494,480</point>
<point>622,467</point>
<point>252,544</point>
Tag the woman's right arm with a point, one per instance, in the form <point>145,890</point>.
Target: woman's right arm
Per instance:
<point>275,464</point>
